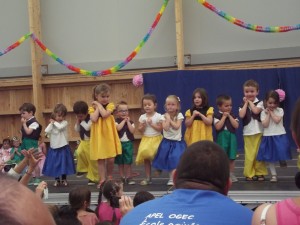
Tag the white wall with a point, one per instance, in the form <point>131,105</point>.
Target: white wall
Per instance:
<point>96,34</point>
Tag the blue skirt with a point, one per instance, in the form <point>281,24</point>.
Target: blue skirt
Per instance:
<point>274,148</point>
<point>168,154</point>
<point>59,161</point>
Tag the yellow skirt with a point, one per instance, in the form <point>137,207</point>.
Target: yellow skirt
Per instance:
<point>147,148</point>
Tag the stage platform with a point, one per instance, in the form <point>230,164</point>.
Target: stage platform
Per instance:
<point>250,193</point>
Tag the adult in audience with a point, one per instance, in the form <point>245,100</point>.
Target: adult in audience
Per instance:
<point>286,211</point>
<point>201,184</point>
<point>20,206</point>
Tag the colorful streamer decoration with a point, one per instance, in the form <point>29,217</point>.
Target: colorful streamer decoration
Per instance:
<point>257,28</point>
<point>14,45</point>
<point>114,68</point>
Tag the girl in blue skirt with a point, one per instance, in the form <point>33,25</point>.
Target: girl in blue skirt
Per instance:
<point>274,145</point>
<point>59,161</point>
<point>172,145</point>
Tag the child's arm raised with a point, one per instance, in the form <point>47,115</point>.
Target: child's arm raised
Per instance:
<point>265,118</point>
<point>276,118</point>
<point>243,110</point>
<point>207,120</point>
<point>62,125</point>
<point>254,108</point>
<point>220,123</point>
<point>233,121</point>
<point>27,129</point>
<point>189,121</point>
<point>130,126</point>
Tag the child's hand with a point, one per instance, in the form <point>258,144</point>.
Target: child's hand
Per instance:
<point>52,120</point>
<point>245,100</point>
<point>225,114</point>
<point>196,113</point>
<point>95,104</point>
<point>23,120</point>
<point>149,121</point>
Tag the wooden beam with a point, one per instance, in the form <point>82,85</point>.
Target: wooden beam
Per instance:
<point>36,58</point>
<point>179,34</point>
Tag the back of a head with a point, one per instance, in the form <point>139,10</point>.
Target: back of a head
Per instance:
<point>204,165</point>
<point>141,197</point>
<point>20,205</point>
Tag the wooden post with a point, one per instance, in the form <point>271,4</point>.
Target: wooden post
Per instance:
<point>179,34</point>
<point>36,58</point>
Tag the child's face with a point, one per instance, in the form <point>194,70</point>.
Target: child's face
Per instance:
<point>226,106</point>
<point>26,115</point>
<point>6,145</point>
<point>103,98</point>
<point>59,117</point>
<point>122,111</point>
<point>149,106</point>
<point>81,116</point>
<point>250,93</point>
<point>171,106</point>
<point>271,104</point>
<point>16,143</point>
<point>197,100</point>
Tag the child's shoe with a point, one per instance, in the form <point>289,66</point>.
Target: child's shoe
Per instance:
<point>146,181</point>
<point>130,181</point>
<point>56,183</point>
<point>91,183</point>
<point>64,183</point>
<point>170,182</point>
<point>273,179</point>
<point>233,178</point>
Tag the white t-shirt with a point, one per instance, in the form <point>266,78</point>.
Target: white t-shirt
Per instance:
<point>173,134</point>
<point>273,128</point>
<point>150,131</point>
<point>254,126</point>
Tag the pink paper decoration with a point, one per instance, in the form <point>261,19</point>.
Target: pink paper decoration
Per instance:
<point>281,94</point>
<point>137,80</point>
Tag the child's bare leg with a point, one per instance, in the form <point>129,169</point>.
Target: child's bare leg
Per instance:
<point>147,168</point>
<point>101,169</point>
<point>127,170</point>
<point>110,167</point>
<point>121,170</point>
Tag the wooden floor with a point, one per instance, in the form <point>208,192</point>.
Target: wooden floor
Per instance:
<point>241,191</point>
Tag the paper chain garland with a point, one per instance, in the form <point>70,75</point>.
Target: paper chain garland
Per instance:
<point>257,28</point>
<point>16,44</point>
<point>89,72</point>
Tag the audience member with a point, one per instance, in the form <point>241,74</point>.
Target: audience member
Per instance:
<point>80,199</point>
<point>66,216</point>
<point>202,183</point>
<point>286,211</point>
<point>20,206</point>
<point>141,197</point>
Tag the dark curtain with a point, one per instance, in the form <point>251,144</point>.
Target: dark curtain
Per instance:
<point>216,82</point>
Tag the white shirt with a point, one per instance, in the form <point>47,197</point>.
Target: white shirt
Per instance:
<point>85,125</point>
<point>254,126</point>
<point>273,128</point>
<point>150,131</point>
<point>58,134</point>
<point>173,134</point>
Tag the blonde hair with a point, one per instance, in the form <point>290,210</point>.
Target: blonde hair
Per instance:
<point>102,88</point>
<point>177,100</point>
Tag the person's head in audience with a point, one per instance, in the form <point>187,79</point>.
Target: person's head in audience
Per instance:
<point>80,198</point>
<point>105,223</point>
<point>203,166</point>
<point>67,216</point>
<point>20,206</point>
<point>142,196</point>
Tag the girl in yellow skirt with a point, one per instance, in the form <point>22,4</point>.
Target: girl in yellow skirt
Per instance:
<point>150,125</point>
<point>105,143</point>
<point>199,119</point>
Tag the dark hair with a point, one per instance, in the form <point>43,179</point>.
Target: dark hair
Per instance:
<point>80,107</point>
<point>272,94</point>
<point>150,97</point>
<point>27,107</point>
<point>141,197</point>
<point>295,122</point>
<point>251,83</point>
<point>78,196</point>
<point>203,95</point>
<point>109,189</point>
<point>61,109</point>
<point>7,140</point>
<point>203,165</point>
<point>297,179</point>
<point>100,88</point>
<point>66,216</point>
<point>221,99</point>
